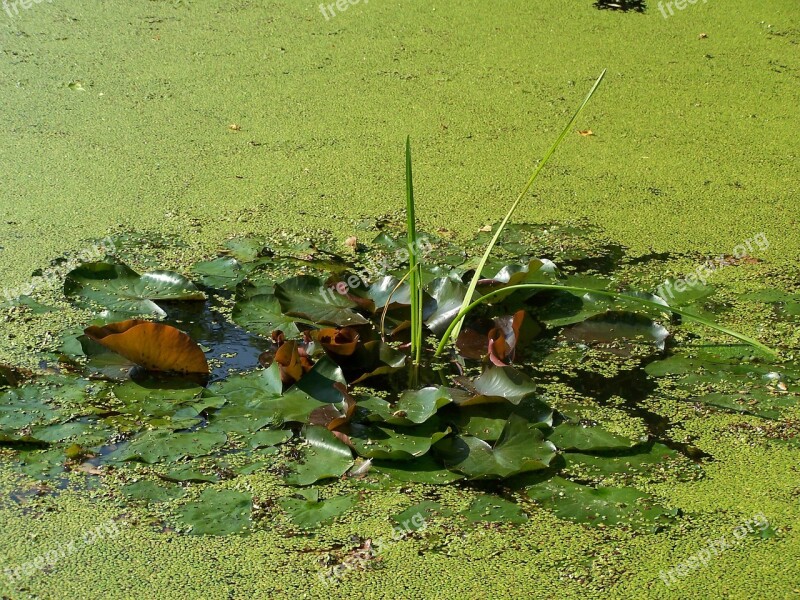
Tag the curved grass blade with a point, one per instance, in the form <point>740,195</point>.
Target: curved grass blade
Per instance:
<point>474,283</point>
<point>617,295</point>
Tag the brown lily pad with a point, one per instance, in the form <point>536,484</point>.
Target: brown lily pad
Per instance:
<point>153,346</point>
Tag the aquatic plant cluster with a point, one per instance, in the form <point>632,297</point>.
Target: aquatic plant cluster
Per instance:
<point>332,393</point>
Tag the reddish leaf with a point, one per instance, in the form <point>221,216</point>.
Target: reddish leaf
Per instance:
<point>154,346</point>
<point>337,342</point>
<point>291,356</point>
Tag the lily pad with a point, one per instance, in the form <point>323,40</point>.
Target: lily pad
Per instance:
<point>218,512</point>
<point>448,295</point>
<point>120,289</point>
<point>635,461</point>
<point>415,518</point>
<point>323,457</point>
<point>613,326</point>
<point>310,513</point>
<point>504,382</point>
<point>395,442</point>
<point>308,298</point>
<point>151,492</point>
<point>417,406</point>
<point>487,421</point>
<point>156,446</point>
<point>424,469</point>
<point>262,314</point>
<point>585,438</point>
<point>492,509</point>
<point>224,272</point>
<point>520,449</point>
<point>602,505</point>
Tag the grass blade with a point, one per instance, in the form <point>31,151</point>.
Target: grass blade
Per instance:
<point>474,283</point>
<point>617,295</point>
<point>415,281</point>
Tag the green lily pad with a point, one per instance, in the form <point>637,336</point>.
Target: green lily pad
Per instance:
<point>417,406</point>
<point>584,438</point>
<point>308,514</point>
<point>757,402</point>
<point>386,290</point>
<point>448,295</point>
<point>255,400</point>
<point>487,421</point>
<point>262,314</point>
<point>520,449</point>
<point>156,446</point>
<point>308,298</point>
<point>374,359</point>
<point>218,512</point>
<point>269,437</point>
<point>689,294</point>
<point>635,461</point>
<point>83,433</point>
<point>415,518</point>
<point>169,391</point>
<point>394,442</point>
<point>42,464</point>
<point>323,457</point>
<point>23,408</point>
<point>243,415</point>
<point>491,509</point>
<point>504,382</point>
<point>602,505</point>
<point>223,273</point>
<point>121,290</point>
<point>246,249</point>
<point>424,469</point>
<point>612,326</point>
<point>152,492</point>
<point>320,383</point>
<point>190,473</point>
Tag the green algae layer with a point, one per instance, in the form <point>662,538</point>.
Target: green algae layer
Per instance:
<point>203,119</point>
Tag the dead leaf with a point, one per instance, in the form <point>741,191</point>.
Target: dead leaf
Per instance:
<point>503,338</point>
<point>586,132</point>
<point>339,342</point>
<point>153,346</point>
<point>291,356</point>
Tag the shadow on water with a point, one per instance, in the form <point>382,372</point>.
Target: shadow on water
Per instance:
<point>634,387</point>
